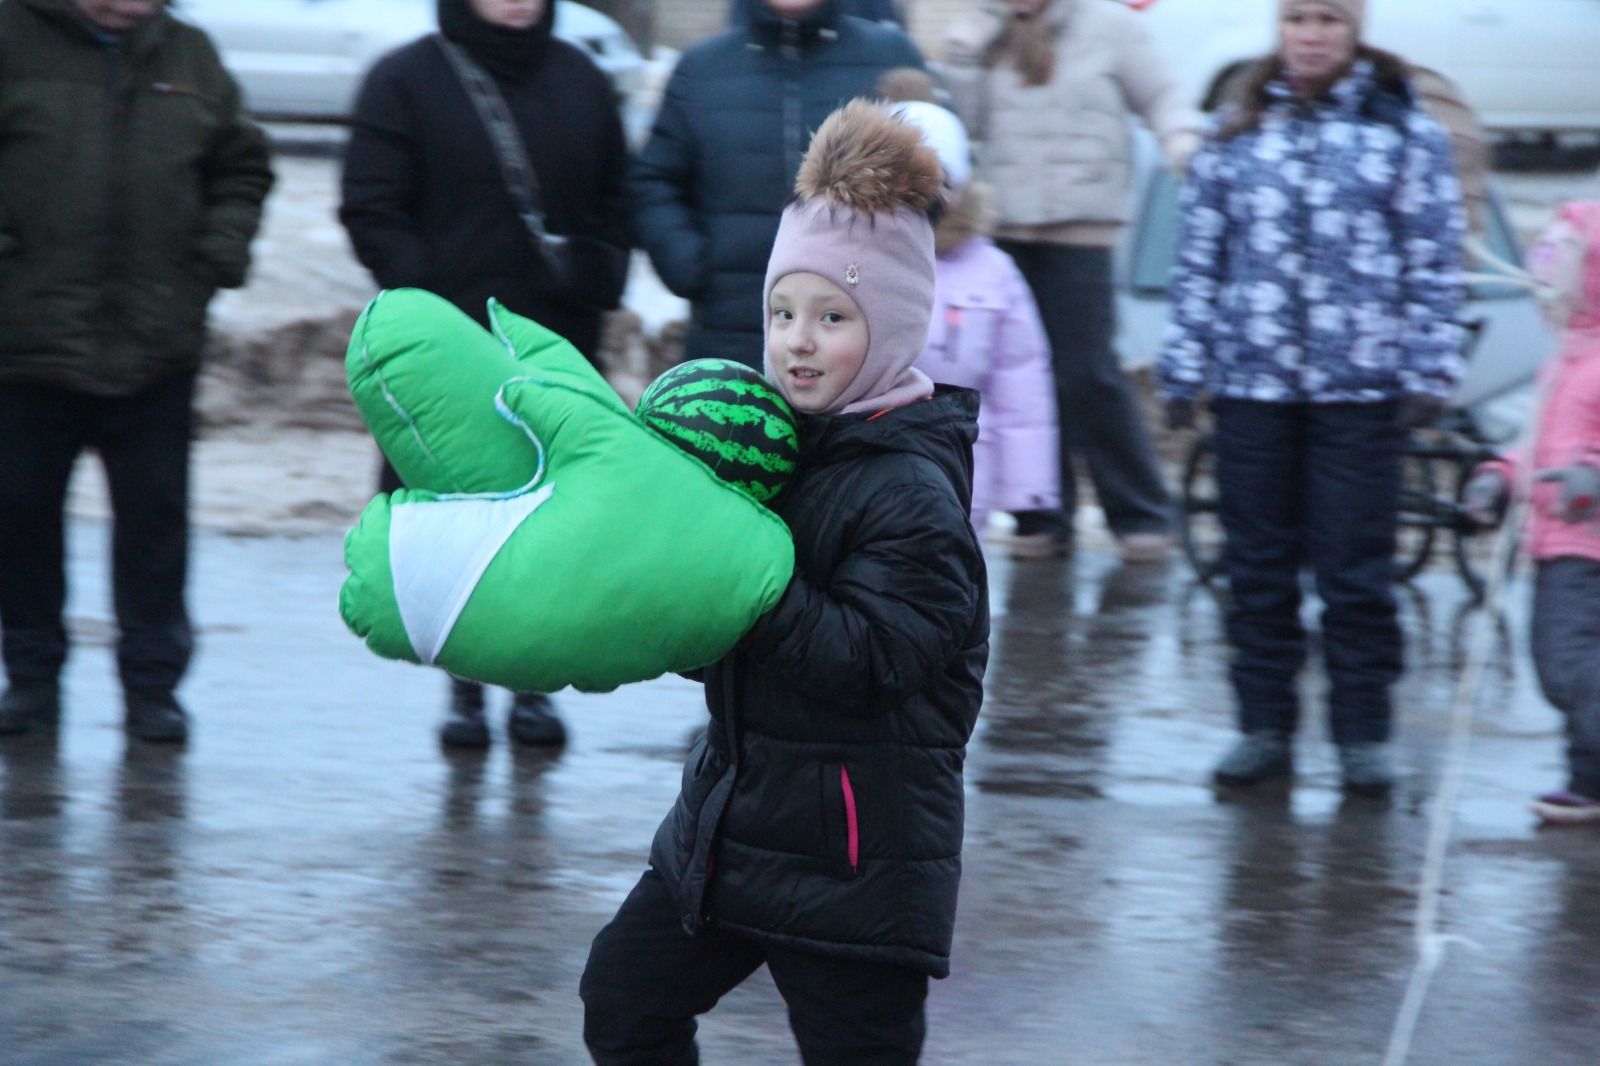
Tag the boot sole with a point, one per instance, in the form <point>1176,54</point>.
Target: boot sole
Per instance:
<point>464,740</point>
<point>1225,780</point>
<point>1560,814</point>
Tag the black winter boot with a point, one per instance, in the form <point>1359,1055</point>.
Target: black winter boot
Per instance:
<point>30,707</point>
<point>533,721</point>
<point>157,717</point>
<point>465,726</point>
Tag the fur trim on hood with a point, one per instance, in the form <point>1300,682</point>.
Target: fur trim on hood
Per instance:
<point>971,214</point>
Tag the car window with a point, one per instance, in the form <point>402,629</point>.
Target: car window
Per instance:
<point>1154,246</point>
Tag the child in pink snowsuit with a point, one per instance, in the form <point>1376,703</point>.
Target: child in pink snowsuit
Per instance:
<point>986,335</point>
<point>1563,534</point>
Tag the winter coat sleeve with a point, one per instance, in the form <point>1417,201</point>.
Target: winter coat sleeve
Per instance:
<point>236,176</point>
<point>1154,94</point>
<point>1019,407</point>
<point>1197,276</point>
<point>380,184</point>
<point>1431,224</point>
<point>893,613</point>
<point>661,186</point>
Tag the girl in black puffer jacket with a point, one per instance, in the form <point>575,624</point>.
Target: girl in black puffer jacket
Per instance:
<point>819,826</point>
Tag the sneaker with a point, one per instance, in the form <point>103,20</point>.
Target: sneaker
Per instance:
<point>1257,757</point>
<point>464,726</point>
<point>156,717</point>
<point>1567,808</point>
<point>533,721</point>
<point>1368,768</point>
<point>1145,547</point>
<point>28,707</point>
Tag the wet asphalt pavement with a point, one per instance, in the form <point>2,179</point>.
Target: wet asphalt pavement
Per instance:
<point>314,882</point>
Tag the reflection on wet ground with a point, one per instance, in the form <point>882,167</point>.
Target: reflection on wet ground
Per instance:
<point>314,882</point>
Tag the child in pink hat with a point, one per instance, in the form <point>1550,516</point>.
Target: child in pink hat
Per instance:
<point>818,830</point>
<point>1563,534</point>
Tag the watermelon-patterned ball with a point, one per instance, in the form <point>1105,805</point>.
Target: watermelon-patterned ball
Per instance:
<point>726,415</point>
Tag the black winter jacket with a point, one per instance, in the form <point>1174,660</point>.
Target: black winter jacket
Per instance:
<point>823,808</point>
<point>131,184</point>
<point>713,179</point>
<point>424,200</point>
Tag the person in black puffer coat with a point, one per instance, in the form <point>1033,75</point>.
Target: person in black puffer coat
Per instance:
<point>712,180</point>
<point>427,207</point>
<point>818,830</point>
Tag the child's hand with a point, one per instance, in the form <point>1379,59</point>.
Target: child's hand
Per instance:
<point>1485,496</point>
<point>1580,491</point>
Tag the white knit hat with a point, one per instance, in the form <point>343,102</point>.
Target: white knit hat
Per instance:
<point>945,135</point>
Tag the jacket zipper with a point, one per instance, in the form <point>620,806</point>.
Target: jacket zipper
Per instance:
<point>115,262</point>
<point>852,829</point>
<point>1306,140</point>
<point>793,132</point>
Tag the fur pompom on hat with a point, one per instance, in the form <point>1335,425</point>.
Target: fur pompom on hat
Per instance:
<point>869,160</point>
<point>861,220</point>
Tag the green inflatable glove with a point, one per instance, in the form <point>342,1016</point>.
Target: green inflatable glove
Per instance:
<point>546,537</point>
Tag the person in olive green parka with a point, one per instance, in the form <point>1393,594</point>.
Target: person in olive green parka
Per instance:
<point>131,185</point>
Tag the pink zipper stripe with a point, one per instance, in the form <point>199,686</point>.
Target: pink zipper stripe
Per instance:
<point>851,828</point>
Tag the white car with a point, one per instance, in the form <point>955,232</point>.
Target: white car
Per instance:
<point>304,59</point>
<point>1523,65</point>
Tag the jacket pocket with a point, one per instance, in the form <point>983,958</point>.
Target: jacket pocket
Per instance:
<point>841,830</point>
<point>966,336</point>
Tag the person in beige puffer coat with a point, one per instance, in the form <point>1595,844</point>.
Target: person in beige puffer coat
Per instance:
<point>1048,87</point>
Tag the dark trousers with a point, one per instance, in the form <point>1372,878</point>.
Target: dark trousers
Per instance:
<point>1566,655</point>
<point>143,441</point>
<point>1099,416</point>
<point>1313,485</point>
<point>647,980</point>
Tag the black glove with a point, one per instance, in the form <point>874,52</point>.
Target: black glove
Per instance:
<point>1418,410</point>
<point>1182,414</point>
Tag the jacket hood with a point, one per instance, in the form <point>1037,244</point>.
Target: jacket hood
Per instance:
<point>971,214</point>
<point>1363,90</point>
<point>510,54</point>
<point>942,429</point>
<point>1584,218</point>
<point>767,27</point>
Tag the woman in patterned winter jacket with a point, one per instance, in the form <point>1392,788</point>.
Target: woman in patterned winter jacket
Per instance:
<point>1314,303</point>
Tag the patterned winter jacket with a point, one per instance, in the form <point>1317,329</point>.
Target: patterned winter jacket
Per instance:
<point>1319,257</point>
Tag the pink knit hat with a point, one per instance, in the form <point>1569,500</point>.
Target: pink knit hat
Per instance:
<point>861,221</point>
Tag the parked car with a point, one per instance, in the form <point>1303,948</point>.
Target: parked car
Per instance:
<point>304,59</point>
<point>1524,65</point>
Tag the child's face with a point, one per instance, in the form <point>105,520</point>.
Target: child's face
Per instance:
<point>816,340</point>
